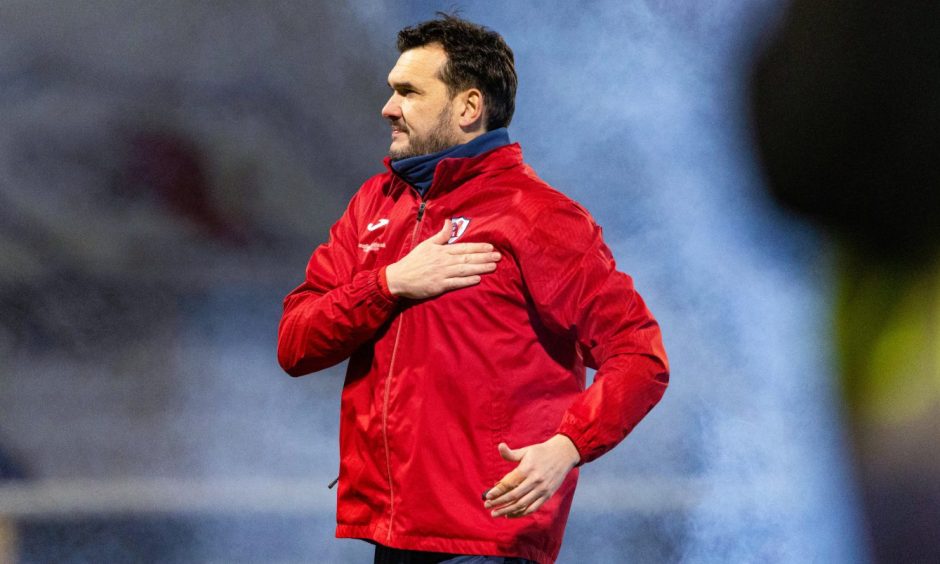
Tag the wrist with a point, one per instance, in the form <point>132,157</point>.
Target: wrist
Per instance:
<point>391,280</point>
<point>567,445</point>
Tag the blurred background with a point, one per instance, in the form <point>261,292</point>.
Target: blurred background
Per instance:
<point>166,168</point>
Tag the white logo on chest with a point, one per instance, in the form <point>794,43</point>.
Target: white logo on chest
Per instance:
<point>377,225</point>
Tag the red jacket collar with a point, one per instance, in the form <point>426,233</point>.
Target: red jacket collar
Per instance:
<point>451,173</point>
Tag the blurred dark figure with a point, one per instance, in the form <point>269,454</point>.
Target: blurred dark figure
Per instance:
<point>10,469</point>
<point>846,100</point>
<point>170,166</point>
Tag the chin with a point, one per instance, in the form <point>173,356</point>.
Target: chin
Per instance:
<point>399,152</point>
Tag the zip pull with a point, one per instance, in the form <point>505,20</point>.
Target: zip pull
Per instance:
<point>333,483</point>
<point>421,210</point>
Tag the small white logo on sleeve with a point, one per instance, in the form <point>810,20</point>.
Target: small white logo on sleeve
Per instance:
<point>458,226</point>
<point>377,225</point>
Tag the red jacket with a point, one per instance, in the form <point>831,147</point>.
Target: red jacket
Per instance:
<point>433,386</point>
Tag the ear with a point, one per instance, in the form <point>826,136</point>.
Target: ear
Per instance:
<point>471,109</point>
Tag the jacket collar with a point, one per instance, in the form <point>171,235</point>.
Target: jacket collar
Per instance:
<point>452,172</point>
<point>419,170</point>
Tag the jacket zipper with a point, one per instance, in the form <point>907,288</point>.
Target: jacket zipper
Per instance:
<point>420,215</point>
<point>388,384</point>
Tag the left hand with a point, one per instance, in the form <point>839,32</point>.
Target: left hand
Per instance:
<point>541,470</point>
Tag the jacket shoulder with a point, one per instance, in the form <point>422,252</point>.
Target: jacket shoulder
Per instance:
<point>372,191</point>
<point>539,200</point>
<point>377,183</point>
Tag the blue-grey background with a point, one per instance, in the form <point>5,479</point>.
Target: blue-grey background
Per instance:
<point>167,167</point>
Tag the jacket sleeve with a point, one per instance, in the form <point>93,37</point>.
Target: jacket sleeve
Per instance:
<point>576,289</point>
<point>336,309</point>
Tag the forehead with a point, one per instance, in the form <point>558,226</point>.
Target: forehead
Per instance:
<point>420,65</point>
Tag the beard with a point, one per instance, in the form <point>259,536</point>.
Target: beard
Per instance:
<point>438,138</point>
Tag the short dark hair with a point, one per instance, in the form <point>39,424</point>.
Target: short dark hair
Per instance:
<point>477,57</point>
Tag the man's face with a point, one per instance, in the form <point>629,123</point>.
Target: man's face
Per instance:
<point>420,109</point>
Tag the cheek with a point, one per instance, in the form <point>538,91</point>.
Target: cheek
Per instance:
<point>408,112</point>
<point>416,112</point>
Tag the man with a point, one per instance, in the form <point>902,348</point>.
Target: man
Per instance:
<point>469,296</point>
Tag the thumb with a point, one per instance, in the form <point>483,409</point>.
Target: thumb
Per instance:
<point>442,236</point>
<point>510,454</point>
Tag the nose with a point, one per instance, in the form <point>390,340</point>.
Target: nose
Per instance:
<point>392,109</point>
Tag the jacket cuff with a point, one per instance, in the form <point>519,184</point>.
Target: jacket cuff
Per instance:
<point>381,282</point>
<point>572,428</point>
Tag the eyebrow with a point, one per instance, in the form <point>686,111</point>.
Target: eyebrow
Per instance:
<point>403,86</point>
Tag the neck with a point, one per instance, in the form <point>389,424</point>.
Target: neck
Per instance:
<point>468,135</point>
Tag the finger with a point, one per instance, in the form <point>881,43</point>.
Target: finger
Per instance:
<point>442,236</point>
<point>477,258</point>
<point>505,492</point>
<point>464,248</point>
<point>520,507</point>
<point>451,284</point>
<point>461,270</point>
<point>505,484</point>
<point>510,454</point>
<point>506,503</point>
<point>517,508</point>
<point>535,505</point>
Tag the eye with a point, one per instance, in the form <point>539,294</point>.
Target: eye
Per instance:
<point>403,89</point>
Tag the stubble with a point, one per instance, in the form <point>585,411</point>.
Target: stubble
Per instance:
<point>437,139</point>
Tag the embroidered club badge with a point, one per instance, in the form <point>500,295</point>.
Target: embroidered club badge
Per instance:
<point>458,226</point>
